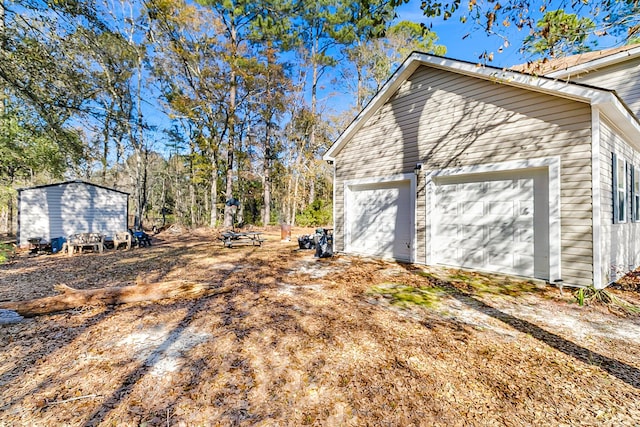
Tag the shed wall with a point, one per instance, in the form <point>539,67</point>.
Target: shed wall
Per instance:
<point>61,210</point>
<point>445,119</point>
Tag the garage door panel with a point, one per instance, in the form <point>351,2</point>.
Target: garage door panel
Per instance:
<point>465,258</point>
<point>472,208</point>
<point>525,263</point>
<point>524,235</point>
<point>379,220</point>
<point>490,220</point>
<point>500,209</point>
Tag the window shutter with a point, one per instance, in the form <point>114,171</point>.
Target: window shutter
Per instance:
<point>632,191</point>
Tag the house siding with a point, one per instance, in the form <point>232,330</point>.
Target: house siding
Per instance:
<point>444,119</point>
<point>64,209</point>
<point>620,242</point>
<point>622,77</point>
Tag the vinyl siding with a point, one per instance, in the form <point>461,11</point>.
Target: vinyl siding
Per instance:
<point>620,242</point>
<point>624,78</point>
<point>61,210</point>
<point>445,120</point>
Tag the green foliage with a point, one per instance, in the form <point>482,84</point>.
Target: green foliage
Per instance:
<point>6,252</point>
<point>406,295</point>
<point>591,295</point>
<point>82,81</point>
<point>318,213</point>
<point>609,17</point>
<point>27,148</point>
<point>559,34</point>
<point>375,59</point>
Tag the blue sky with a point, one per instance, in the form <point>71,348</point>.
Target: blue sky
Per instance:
<point>450,34</point>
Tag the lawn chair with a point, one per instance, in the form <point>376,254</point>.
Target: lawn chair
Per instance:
<point>140,238</point>
<point>122,237</point>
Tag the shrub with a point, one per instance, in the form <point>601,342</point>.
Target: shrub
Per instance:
<point>316,214</point>
<point>6,252</point>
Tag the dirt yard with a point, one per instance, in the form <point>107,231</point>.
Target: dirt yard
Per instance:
<point>300,341</point>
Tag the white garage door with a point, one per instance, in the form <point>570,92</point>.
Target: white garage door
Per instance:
<point>493,222</point>
<point>379,220</point>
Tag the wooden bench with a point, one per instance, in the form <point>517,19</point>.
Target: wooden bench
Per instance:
<point>82,240</point>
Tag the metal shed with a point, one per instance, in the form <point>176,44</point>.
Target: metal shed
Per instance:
<point>58,210</point>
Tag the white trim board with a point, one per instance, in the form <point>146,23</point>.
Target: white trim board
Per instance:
<point>595,64</point>
<point>552,164</point>
<point>595,199</point>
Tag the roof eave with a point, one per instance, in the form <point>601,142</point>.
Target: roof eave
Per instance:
<point>76,181</point>
<point>595,64</point>
<point>383,95</point>
<point>616,111</point>
<point>573,91</point>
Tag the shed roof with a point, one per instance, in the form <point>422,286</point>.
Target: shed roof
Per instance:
<point>587,61</point>
<point>607,100</point>
<point>76,181</point>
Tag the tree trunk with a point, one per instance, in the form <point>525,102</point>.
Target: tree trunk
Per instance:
<point>294,208</point>
<point>105,144</point>
<point>360,94</point>
<point>192,203</point>
<point>266,180</point>
<point>214,189</point>
<point>10,204</point>
<point>228,213</point>
<point>137,140</point>
<point>312,187</point>
<point>314,94</point>
<point>72,298</point>
<point>266,166</point>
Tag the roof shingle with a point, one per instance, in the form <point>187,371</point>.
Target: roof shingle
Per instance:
<point>547,66</point>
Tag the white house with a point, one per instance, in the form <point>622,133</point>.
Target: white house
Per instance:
<point>58,210</point>
<point>498,170</point>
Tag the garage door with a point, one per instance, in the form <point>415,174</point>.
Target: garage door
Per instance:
<point>379,220</point>
<point>495,222</point>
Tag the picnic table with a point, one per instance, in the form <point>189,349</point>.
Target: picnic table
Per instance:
<point>232,238</point>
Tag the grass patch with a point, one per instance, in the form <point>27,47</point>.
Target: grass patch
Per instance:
<point>428,275</point>
<point>496,285</point>
<point>6,252</point>
<point>406,295</point>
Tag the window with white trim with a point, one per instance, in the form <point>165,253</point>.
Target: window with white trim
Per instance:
<point>619,190</point>
<point>635,194</point>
